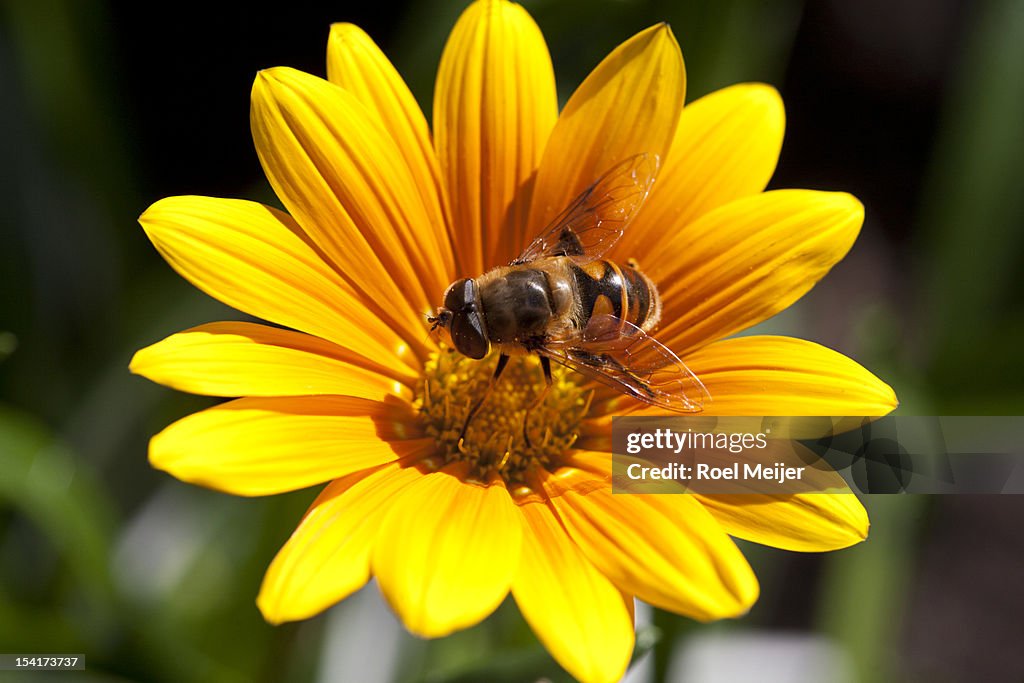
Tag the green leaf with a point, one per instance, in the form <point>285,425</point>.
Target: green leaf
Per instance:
<point>8,343</point>
<point>973,210</point>
<point>57,493</point>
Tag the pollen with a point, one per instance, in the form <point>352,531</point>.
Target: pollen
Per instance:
<point>494,439</point>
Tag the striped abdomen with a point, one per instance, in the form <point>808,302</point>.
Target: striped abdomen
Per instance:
<point>605,287</point>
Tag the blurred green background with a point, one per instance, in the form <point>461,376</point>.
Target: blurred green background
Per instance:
<point>915,106</point>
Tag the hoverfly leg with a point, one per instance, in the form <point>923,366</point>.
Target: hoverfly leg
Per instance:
<point>545,364</point>
<point>499,368</point>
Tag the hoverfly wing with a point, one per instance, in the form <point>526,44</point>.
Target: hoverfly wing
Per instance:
<point>624,357</point>
<point>596,219</point>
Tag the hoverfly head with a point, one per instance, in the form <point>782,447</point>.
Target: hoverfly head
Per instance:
<point>462,316</point>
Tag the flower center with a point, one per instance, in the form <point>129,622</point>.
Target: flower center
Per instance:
<point>494,438</point>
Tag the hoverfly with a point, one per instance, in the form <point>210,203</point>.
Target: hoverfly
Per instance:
<point>562,301</point>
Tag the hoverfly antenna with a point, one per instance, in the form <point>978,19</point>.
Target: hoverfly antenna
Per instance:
<point>432,332</point>
<point>441,319</point>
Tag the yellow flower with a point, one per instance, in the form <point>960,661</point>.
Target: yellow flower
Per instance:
<point>351,390</point>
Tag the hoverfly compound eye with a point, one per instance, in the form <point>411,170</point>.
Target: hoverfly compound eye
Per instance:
<point>469,335</point>
<point>461,295</point>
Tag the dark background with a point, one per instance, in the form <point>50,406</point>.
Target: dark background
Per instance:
<point>914,106</point>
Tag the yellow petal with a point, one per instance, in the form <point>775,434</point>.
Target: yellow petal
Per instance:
<point>748,260</point>
<point>259,446</point>
<point>806,522</point>
<point>804,519</point>
<point>767,375</point>
<point>494,107</point>
<point>342,177</point>
<point>250,257</point>
<point>583,620</point>
<point>328,556</point>
<point>447,551</point>
<point>355,63</point>
<point>246,359</point>
<point>725,147</point>
<point>628,105</point>
<point>764,375</point>
<point>669,553</point>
